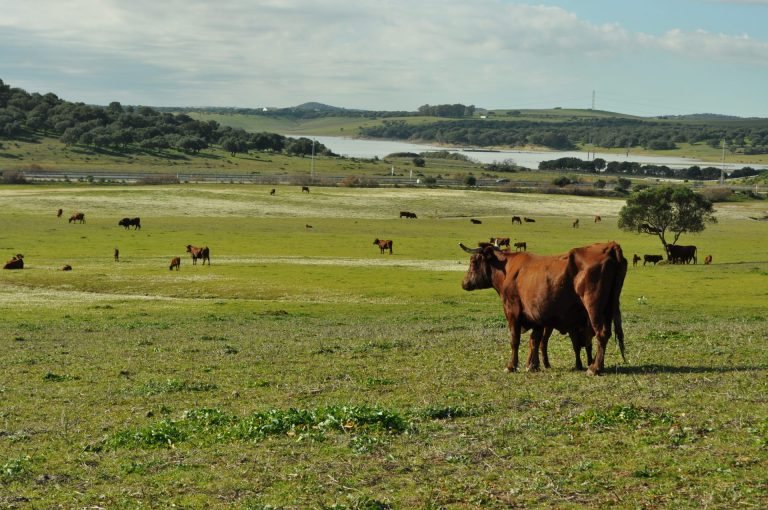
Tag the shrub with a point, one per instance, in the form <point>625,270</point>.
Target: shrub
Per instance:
<point>355,181</point>
<point>717,194</point>
<point>159,179</point>
<point>14,177</point>
<point>561,181</point>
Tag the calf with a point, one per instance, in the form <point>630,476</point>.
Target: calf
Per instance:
<point>521,246</point>
<point>635,259</point>
<point>117,254</point>
<point>707,260</point>
<point>652,258</point>
<point>176,263</point>
<point>383,244</point>
<point>199,253</point>
<point>575,223</point>
<point>598,219</point>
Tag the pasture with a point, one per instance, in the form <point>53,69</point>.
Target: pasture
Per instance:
<point>304,369</point>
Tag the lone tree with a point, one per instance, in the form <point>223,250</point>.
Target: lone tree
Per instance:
<point>666,210</point>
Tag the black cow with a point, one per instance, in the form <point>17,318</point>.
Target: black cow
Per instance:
<point>407,214</point>
<point>475,221</point>
<point>681,254</point>
<point>652,258</point>
<point>130,222</point>
<point>516,219</point>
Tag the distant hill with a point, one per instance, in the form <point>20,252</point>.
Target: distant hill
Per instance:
<point>705,117</point>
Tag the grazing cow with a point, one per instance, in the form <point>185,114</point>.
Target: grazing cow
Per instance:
<point>521,246</point>
<point>78,216</point>
<point>652,258</point>
<point>681,254</point>
<point>529,220</point>
<point>498,242</point>
<point>407,214</point>
<point>130,222</point>
<point>176,263</point>
<point>305,189</point>
<point>272,191</point>
<point>576,292</point>
<point>707,260</point>
<point>635,259</point>
<point>59,213</point>
<point>383,244</point>
<point>66,267</point>
<point>475,221</point>
<point>117,254</point>
<point>598,219</point>
<point>16,262</point>
<point>575,223</point>
<point>199,253</point>
<point>516,219</point>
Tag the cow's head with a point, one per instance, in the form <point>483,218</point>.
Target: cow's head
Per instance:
<point>481,265</point>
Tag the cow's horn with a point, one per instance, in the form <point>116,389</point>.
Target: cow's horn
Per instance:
<point>470,250</point>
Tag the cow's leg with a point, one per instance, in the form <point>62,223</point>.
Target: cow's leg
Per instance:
<point>577,342</point>
<point>598,364</point>
<point>532,365</point>
<point>514,343</point>
<point>543,346</point>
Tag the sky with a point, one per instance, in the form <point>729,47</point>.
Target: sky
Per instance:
<point>640,57</point>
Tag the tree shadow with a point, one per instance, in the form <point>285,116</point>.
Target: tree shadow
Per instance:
<point>652,369</point>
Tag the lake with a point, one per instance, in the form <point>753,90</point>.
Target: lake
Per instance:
<point>363,148</point>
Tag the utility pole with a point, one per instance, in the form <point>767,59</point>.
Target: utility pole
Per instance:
<point>593,99</point>
<point>722,165</point>
<point>312,167</point>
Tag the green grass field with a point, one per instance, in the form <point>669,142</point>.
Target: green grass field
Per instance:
<point>304,369</point>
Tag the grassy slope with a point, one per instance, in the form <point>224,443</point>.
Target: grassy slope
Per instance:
<point>290,317</point>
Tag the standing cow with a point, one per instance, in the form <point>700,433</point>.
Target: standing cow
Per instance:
<point>707,260</point>
<point>130,222</point>
<point>681,254</point>
<point>59,213</point>
<point>77,217</point>
<point>176,263</point>
<point>635,259</point>
<point>199,253</point>
<point>383,244</point>
<point>576,292</point>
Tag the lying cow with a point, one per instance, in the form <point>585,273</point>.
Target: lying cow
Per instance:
<point>529,220</point>
<point>130,222</point>
<point>77,217</point>
<point>176,263</point>
<point>652,258</point>
<point>199,253</point>
<point>17,262</point>
<point>576,292</point>
<point>383,244</point>
<point>475,221</point>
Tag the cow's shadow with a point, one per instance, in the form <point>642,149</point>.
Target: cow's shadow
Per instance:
<point>651,369</point>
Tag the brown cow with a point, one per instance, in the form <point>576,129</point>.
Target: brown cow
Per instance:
<point>78,216</point>
<point>199,253</point>
<point>598,219</point>
<point>17,262</point>
<point>516,219</point>
<point>500,241</point>
<point>521,246</point>
<point>176,263</point>
<point>707,260</point>
<point>305,189</point>
<point>383,244</point>
<point>575,223</point>
<point>635,259</point>
<point>59,213</point>
<point>579,338</point>
<point>576,292</point>
<point>652,258</point>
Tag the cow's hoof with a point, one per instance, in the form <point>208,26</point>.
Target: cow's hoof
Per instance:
<point>532,369</point>
<point>509,370</point>
<point>592,372</point>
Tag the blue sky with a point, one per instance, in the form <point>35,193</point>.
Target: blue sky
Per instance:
<point>649,57</point>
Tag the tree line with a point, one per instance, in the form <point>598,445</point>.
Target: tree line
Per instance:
<point>694,172</point>
<point>747,137</point>
<point>25,115</point>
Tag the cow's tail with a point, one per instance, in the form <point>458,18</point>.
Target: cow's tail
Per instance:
<point>618,284</point>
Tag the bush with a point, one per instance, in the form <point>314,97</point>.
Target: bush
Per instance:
<point>561,181</point>
<point>717,194</point>
<point>355,181</point>
<point>159,179</point>
<point>14,177</point>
